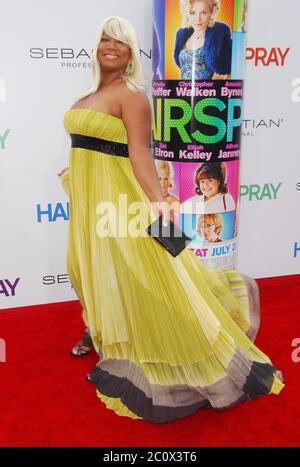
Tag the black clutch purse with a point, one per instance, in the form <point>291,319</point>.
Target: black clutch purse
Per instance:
<point>171,236</point>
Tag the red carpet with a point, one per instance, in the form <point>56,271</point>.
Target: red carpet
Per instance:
<point>46,401</point>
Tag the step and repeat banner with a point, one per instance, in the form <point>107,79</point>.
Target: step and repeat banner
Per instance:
<point>239,127</point>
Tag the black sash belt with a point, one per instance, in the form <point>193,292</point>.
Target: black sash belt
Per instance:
<point>98,144</point>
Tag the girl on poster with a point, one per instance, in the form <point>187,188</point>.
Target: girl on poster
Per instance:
<point>203,46</point>
<point>211,190</point>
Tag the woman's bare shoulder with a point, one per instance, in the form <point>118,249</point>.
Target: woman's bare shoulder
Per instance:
<point>135,96</point>
<point>134,101</point>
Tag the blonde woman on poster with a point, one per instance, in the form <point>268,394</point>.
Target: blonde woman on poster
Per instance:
<point>165,177</point>
<point>203,45</point>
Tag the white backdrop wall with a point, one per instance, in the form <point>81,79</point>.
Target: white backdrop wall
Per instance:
<point>45,51</point>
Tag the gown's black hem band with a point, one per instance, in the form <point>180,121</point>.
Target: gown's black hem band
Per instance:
<point>98,144</point>
<point>135,399</point>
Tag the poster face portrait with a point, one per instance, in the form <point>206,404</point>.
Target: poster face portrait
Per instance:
<point>209,227</point>
<point>168,174</point>
<point>206,229</point>
<point>209,187</point>
<point>198,39</point>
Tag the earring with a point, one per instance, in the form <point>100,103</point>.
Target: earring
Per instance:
<point>129,68</point>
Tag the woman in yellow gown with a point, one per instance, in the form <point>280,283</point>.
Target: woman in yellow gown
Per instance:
<point>172,335</point>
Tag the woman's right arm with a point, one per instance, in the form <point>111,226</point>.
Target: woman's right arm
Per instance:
<point>64,178</point>
<point>136,116</point>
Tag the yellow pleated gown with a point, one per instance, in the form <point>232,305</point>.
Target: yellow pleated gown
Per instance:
<point>170,331</point>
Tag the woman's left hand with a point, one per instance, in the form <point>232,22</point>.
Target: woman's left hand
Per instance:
<point>62,171</point>
<point>162,208</point>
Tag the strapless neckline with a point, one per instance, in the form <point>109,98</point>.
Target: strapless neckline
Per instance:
<point>95,111</point>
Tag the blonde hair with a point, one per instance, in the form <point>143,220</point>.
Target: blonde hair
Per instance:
<point>244,16</point>
<point>214,218</point>
<point>164,165</point>
<point>121,30</point>
<point>185,6</point>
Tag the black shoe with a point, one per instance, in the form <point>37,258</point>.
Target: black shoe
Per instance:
<point>83,347</point>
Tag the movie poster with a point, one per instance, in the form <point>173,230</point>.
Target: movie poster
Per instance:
<point>197,89</point>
